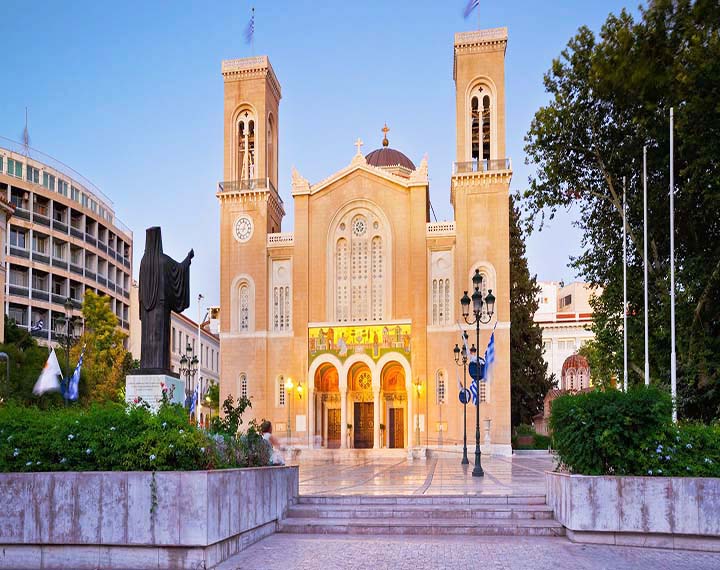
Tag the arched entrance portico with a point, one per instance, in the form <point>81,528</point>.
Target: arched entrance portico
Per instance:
<point>364,394</point>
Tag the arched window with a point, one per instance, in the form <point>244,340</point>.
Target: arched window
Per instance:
<point>243,386</point>
<point>360,271</point>
<point>245,166</point>
<point>486,128</point>
<point>244,302</point>
<point>475,128</point>
<point>440,387</point>
<point>481,135</point>
<point>270,148</point>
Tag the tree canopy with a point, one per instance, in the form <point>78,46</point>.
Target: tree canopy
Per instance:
<point>609,96</point>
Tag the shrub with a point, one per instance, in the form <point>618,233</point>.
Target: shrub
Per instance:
<point>524,429</point>
<point>113,437</point>
<point>610,432</point>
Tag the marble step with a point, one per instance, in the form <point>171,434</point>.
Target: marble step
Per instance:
<point>470,500</point>
<point>342,511</point>
<point>373,526</point>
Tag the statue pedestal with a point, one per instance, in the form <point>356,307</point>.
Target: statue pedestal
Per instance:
<point>149,388</point>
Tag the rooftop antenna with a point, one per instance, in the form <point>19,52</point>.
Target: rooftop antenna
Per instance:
<point>26,135</point>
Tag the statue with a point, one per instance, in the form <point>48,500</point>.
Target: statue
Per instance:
<point>164,287</point>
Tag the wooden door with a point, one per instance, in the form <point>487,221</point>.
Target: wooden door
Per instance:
<point>363,426</point>
<point>397,428</point>
<point>334,431</point>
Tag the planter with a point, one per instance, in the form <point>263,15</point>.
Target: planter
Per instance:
<point>665,512</point>
<point>179,519</point>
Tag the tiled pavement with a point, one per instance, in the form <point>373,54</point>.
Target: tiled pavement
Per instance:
<point>443,475</point>
<point>310,552</point>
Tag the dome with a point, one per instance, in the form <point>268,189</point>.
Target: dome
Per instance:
<point>388,157</point>
<point>575,362</point>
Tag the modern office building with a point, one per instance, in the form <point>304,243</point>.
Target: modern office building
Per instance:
<point>62,239</point>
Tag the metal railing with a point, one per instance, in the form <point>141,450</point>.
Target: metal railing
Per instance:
<point>471,166</point>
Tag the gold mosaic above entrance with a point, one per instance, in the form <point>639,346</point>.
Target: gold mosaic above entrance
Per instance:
<point>372,340</point>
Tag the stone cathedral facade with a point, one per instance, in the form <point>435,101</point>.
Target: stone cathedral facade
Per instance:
<point>351,319</point>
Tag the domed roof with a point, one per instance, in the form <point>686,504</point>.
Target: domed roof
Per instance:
<point>386,156</point>
<point>576,362</point>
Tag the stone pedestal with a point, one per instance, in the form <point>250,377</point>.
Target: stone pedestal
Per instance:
<point>149,388</point>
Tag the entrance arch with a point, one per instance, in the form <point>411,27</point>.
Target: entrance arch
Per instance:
<point>326,401</point>
<point>393,405</point>
<point>361,412</point>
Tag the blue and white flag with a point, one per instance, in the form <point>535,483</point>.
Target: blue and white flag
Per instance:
<point>474,392</point>
<point>38,326</point>
<point>471,5</point>
<point>73,387</point>
<point>490,356</point>
<point>194,401</point>
<point>250,29</point>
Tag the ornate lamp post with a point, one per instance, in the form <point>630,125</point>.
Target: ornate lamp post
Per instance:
<point>288,396</point>
<point>66,337</point>
<point>478,318</point>
<point>461,357</point>
<point>418,389</point>
<point>188,369</point>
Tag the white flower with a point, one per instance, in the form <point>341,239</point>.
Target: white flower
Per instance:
<point>28,464</point>
<point>659,470</point>
<point>688,468</point>
<point>63,460</point>
<point>649,471</point>
<point>112,428</point>
<point>164,424</point>
<point>37,463</point>
<point>708,460</point>
<point>153,457</point>
<point>659,449</point>
<point>182,431</point>
<point>667,458</point>
<point>171,446</point>
<point>202,450</point>
<point>17,452</point>
<point>689,446</point>
<point>88,451</point>
<point>71,437</point>
<point>9,438</point>
<point>77,422</point>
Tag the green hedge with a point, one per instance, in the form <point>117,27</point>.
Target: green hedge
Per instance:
<point>111,437</point>
<point>615,433</point>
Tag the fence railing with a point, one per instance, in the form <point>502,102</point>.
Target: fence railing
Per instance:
<point>481,166</point>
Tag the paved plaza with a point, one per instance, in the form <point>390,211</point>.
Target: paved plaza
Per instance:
<point>290,552</point>
<point>440,474</point>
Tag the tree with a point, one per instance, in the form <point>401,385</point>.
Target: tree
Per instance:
<point>610,95</point>
<point>528,371</point>
<point>105,362</point>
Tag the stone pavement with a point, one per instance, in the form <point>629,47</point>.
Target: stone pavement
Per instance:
<point>441,474</point>
<point>309,552</point>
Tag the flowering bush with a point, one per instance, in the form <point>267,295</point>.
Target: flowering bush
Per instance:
<point>615,433</point>
<point>113,437</point>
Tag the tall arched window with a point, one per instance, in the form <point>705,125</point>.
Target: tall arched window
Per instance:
<point>360,268</point>
<point>475,128</point>
<point>270,148</point>
<point>480,125</point>
<point>244,303</point>
<point>440,387</point>
<point>486,127</point>
<point>243,385</point>
<point>245,146</point>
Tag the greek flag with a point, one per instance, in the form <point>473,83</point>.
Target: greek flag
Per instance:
<point>471,5</point>
<point>474,392</point>
<point>194,401</point>
<point>38,326</point>
<point>490,355</point>
<point>250,29</point>
<point>73,388</point>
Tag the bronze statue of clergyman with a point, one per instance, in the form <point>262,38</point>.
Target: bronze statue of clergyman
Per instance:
<point>164,287</point>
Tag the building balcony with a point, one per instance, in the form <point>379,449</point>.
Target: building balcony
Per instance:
<point>22,213</point>
<point>40,295</point>
<point>437,229</point>
<point>480,166</point>
<point>91,240</point>
<point>41,219</point>
<point>283,239</point>
<point>19,290</point>
<point>41,257</point>
<point>19,252</point>
<point>59,263</point>
<point>78,233</point>
<point>60,226</point>
<point>76,269</point>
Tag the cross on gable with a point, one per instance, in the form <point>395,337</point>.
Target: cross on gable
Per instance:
<point>358,144</point>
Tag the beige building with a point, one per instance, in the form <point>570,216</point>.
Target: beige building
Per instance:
<point>63,239</point>
<point>564,315</point>
<point>359,306</point>
<point>6,211</point>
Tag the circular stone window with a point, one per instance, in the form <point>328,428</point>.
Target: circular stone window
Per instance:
<point>359,226</point>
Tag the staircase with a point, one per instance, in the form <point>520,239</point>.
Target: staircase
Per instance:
<point>488,515</point>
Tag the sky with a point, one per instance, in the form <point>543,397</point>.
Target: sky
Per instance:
<point>130,95</point>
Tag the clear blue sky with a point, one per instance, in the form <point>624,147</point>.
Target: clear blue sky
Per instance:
<point>130,95</point>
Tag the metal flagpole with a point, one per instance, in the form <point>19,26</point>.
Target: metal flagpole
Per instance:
<point>673,361</point>
<point>625,355</point>
<point>197,414</point>
<point>647,355</point>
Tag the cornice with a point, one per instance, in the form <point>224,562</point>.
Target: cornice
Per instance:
<point>252,68</point>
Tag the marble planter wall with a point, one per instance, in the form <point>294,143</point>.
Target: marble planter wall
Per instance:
<point>669,512</point>
<point>104,519</point>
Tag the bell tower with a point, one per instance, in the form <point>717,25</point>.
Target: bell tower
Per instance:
<point>480,187</point>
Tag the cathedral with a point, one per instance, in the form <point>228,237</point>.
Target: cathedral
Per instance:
<point>326,328</point>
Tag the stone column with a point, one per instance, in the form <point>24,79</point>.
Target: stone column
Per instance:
<point>376,419</point>
<point>311,418</point>
<point>343,418</point>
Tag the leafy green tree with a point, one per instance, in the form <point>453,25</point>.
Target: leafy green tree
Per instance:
<point>528,371</point>
<point>106,361</point>
<point>610,95</point>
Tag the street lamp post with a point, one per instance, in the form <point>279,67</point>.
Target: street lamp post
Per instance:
<point>418,389</point>
<point>188,369</point>
<point>478,318</point>
<point>461,357</point>
<point>66,337</point>
<point>288,396</point>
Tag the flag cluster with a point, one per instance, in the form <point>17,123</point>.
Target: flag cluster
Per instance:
<point>250,29</point>
<point>471,5</point>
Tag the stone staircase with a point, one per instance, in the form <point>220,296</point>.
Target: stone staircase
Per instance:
<point>488,515</point>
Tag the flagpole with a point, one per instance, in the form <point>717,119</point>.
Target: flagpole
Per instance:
<point>645,252</point>
<point>200,298</point>
<point>625,354</point>
<point>673,360</point>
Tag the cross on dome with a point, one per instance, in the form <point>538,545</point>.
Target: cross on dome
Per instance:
<point>358,144</point>
<point>385,131</point>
